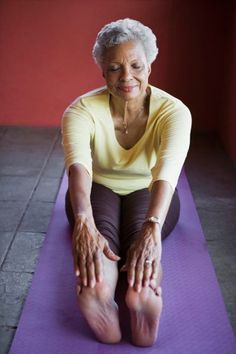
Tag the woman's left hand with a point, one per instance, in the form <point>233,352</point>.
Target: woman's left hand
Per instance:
<point>144,256</point>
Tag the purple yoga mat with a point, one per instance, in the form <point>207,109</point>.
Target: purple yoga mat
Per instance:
<point>194,319</point>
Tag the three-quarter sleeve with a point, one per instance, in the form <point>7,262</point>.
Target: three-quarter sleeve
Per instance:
<point>173,144</point>
<point>77,135</point>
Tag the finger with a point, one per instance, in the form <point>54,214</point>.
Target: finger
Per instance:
<point>130,266</point>
<point>75,261</point>
<point>131,273</point>
<point>76,266</point>
<point>90,272</point>
<point>147,273</point>
<point>98,264</point>
<point>157,289</point>
<point>109,253</point>
<point>79,286</point>
<point>83,271</point>
<point>153,284</point>
<point>78,290</point>
<point>154,274</point>
<point>139,275</point>
<point>79,281</point>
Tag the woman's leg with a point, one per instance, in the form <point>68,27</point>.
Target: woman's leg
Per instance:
<point>145,307</point>
<point>97,304</point>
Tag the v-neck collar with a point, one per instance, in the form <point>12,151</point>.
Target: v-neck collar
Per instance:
<point>113,127</point>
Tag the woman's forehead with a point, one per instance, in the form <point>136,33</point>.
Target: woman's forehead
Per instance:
<point>131,50</point>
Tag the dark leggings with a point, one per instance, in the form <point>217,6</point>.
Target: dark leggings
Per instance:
<point>119,218</point>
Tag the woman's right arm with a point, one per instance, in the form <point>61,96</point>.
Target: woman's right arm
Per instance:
<point>88,244</point>
<point>80,188</point>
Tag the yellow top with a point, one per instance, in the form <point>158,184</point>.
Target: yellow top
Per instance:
<point>88,138</point>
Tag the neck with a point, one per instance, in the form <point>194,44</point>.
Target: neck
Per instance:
<point>120,106</point>
<point>129,110</point>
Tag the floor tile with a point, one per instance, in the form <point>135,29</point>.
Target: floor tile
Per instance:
<point>210,172</point>
<point>58,145</point>
<point>24,252</point>
<point>221,187</point>
<point>13,290</point>
<point>6,336</point>
<point>223,254</point>
<point>55,163</point>
<point>216,222</point>
<point>29,135</point>
<point>24,150</point>
<point>16,187</point>
<point>36,149</point>
<point>5,240</point>
<point>10,214</point>
<point>37,217</point>
<point>21,163</point>
<point>47,189</point>
<point>54,166</point>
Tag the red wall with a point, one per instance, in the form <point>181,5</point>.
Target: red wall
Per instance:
<point>46,61</point>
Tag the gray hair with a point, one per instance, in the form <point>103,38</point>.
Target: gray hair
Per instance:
<point>123,31</point>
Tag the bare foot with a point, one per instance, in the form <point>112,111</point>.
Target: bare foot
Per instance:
<point>101,312</point>
<point>145,312</point>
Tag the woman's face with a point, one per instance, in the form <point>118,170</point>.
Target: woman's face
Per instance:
<point>126,70</point>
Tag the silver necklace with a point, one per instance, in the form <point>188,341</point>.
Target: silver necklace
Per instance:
<point>125,122</point>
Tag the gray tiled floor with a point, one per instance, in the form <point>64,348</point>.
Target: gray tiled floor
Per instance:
<point>213,181</point>
<point>13,289</point>
<point>23,254</point>
<point>31,167</point>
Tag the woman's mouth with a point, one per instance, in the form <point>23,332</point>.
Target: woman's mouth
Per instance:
<point>126,88</point>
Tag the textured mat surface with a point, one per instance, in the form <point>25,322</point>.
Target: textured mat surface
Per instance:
<point>194,319</point>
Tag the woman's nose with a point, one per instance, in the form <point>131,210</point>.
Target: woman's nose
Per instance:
<point>126,74</point>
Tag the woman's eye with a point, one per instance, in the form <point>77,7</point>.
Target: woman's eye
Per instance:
<point>136,66</point>
<point>114,68</point>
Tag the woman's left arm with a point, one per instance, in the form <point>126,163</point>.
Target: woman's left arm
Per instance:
<point>148,246</point>
<point>144,255</point>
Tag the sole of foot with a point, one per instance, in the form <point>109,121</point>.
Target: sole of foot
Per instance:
<point>145,312</point>
<point>101,312</point>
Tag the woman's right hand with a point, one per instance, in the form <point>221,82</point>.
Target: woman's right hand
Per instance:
<point>88,247</point>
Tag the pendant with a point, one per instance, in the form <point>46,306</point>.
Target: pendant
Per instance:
<point>125,128</point>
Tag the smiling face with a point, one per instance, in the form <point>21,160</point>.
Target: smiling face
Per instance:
<point>126,70</point>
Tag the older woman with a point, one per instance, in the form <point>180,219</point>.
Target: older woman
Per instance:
<point>124,147</point>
